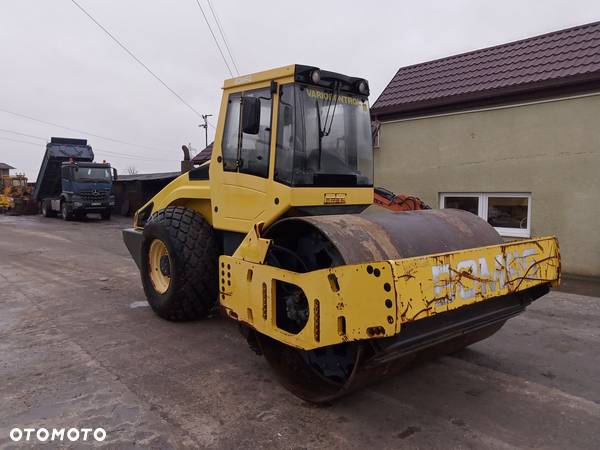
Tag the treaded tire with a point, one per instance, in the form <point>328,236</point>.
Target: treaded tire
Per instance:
<point>194,259</point>
<point>47,209</point>
<point>64,213</point>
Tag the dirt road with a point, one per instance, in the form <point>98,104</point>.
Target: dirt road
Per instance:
<point>80,348</point>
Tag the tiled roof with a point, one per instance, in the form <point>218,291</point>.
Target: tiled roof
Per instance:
<point>556,59</point>
<point>5,166</point>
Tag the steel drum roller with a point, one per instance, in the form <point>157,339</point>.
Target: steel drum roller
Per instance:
<point>315,242</point>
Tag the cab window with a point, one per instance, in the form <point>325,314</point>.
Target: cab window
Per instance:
<point>248,153</point>
<point>284,156</point>
<point>254,155</point>
<point>231,134</point>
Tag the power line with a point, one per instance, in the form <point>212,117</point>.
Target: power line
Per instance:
<point>20,142</point>
<point>128,156</point>
<point>23,134</point>
<point>214,37</point>
<point>120,154</point>
<point>79,131</point>
<point>130,53</point>
<point>218,22</point>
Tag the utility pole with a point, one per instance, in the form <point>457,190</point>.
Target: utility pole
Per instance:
<point>205,126</point>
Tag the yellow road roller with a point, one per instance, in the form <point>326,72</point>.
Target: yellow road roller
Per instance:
<point>273,230</point>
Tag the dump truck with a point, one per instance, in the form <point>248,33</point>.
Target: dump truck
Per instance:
<point>16,195</point>
<point>272,230</point>
<point>71,184</point>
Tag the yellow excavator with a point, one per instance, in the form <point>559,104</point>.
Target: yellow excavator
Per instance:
<point>272,230</point>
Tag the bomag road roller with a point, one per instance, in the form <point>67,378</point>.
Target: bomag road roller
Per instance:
<point>273,230</point>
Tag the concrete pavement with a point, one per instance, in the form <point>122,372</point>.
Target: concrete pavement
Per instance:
<point>80,348</point>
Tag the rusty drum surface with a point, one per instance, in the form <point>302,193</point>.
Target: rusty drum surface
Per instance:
<point>325,241</point>
<point>361,238</point>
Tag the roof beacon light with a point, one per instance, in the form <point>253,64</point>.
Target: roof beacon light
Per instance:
<point>315,76</point>
<point>363,87</point>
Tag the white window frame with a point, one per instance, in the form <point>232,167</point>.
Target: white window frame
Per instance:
<point>483,209</point>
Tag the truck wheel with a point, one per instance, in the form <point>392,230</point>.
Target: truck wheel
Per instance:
<point>179,264</point>
<point>105,215</point>
<point>64,212</point>
<point>47,209</point>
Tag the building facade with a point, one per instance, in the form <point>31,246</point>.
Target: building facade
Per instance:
<point>509,133</point>
<point>5,169</point>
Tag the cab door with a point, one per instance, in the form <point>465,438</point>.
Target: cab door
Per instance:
<point>245,159</point>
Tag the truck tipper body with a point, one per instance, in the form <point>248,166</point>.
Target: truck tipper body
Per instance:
<point>71,184</point>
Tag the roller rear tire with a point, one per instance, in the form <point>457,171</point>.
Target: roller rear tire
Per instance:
<point>180,264</point>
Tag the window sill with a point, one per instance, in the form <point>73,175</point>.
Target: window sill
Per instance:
<point>513,232</point>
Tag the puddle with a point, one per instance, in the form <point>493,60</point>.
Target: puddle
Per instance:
<point>138,305</point>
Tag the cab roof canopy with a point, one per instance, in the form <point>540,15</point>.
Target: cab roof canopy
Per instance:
<point>300,73</point>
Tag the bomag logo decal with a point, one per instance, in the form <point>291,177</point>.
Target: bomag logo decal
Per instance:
<point>471,276</point>
<point>329,96</point>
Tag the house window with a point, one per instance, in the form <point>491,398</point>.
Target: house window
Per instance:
<point>508,213</point>
<point>468,202</point>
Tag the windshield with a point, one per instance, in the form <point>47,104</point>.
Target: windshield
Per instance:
<point>323,138</point>
<point>100,174</point>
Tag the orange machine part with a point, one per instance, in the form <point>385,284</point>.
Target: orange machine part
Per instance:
<point>397,202</point>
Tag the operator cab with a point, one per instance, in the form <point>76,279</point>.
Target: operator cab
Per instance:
<point>322,131</point>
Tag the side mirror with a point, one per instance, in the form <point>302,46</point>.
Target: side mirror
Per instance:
<point>250,115</point>
<point>114,174</point>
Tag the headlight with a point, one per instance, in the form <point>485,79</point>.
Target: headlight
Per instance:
<point>363,87</point>
<point>315,76</point>
<point>77,204</point>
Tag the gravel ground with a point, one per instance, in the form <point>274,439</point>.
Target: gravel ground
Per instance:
<point>80,348</point>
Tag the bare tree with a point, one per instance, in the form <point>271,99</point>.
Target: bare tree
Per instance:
<point>131,170</point>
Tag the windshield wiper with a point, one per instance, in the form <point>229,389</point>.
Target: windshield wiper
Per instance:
<point>337,96</point>
<point>320,131</point>
<point>324,131</point>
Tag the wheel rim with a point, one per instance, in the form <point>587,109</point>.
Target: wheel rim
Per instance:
<point>159,266</point>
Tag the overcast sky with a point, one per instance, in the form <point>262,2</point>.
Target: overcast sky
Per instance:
<point>58,66</point>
